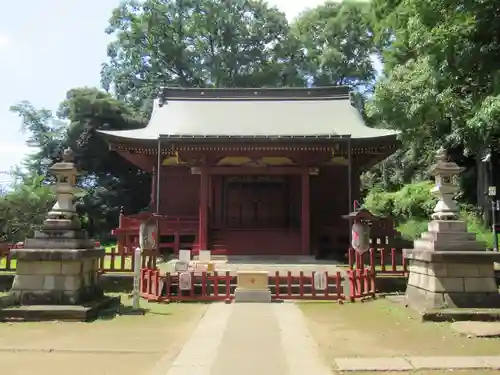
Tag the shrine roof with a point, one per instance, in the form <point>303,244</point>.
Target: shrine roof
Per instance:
<point>263,113</point>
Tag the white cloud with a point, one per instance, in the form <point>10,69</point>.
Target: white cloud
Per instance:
<point>4,40</point>
<point>11,154</point>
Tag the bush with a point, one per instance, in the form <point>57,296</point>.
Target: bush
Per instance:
<point>413,201</point>
<point>413,228</point>
<point>379,202</point>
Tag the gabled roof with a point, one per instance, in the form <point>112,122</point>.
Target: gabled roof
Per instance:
<point>187,113</point>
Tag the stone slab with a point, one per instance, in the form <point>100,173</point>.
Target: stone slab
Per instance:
<point>477,329</point>
<point>482,256</point>
<point>457,244</point>
<point>252,295</point>
<point>251,344</point>
<point>56,254</point>
<point>493,362</point>
<point>300,349</point>
<point>373,364</point>
<point>80,313</point>
<point>447,363</point>
<point>452,315</point>
<point>447,226</point>
<point>201,350</point>
<point>59,243</point>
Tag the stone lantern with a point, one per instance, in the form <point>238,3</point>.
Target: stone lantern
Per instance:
<point>60,265</point>
<point>448,267</point>
<point>445,174</point>
<point>63,214</point>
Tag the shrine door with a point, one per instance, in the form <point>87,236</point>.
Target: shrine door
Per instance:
<point>252,205</point>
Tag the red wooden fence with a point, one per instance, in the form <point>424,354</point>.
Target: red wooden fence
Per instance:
<point>381,261</point>
<point>220,287</point>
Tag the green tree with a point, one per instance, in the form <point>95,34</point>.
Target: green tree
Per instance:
<point>199,43</point>
<point>23,208</point>
<point>441,83</point>
<point>337,41</point>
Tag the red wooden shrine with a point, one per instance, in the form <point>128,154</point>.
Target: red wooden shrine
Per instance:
<point>252,171</point>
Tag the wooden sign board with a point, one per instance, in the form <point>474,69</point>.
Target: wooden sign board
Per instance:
<point>320,281</point>
<point>147,235</point>
<point>200,267</point>
<point>185,256</point>
<point>185,281</point>
<point>181,266</point>
<point>205,256</point>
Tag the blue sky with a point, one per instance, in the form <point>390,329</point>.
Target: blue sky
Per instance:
<point>50,46</point>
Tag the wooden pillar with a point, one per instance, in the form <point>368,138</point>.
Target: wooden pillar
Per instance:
<point>153,189</point>
<point>203,217</point>
<point>305,213</point>
<point>158,177</point>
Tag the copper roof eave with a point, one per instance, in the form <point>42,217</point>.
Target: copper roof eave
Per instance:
<point>392,138</point>
<point>254,138</point>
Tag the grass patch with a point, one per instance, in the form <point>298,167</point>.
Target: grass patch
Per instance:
<point>124,344</point>
<point>381,328</point>
<point>424,372</point>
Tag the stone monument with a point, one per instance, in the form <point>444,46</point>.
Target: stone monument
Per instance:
<point>448,267</point>
<point>60,265</point>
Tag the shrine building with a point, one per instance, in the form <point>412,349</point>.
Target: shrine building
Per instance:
<point>267,171</point>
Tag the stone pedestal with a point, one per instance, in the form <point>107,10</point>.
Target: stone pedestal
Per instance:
<point>252,287</point>
<point>450,269</point>
<point>56,276</point>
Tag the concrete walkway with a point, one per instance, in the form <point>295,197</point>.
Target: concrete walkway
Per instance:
<point>272,339</point>
<point>248,339</point>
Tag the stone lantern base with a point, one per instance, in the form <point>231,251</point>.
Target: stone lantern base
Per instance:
<point>450,269</point>
<point>56,276</point>
<point>56,284</point>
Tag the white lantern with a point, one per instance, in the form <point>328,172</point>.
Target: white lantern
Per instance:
<point>360,237</point>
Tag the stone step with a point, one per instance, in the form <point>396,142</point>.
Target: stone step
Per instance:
<point>449,236</point>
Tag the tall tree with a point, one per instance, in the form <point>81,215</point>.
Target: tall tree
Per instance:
<point>199,43</point>
<point>337,41</point>
<point>443,87</point>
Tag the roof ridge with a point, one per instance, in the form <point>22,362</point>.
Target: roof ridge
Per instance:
<point>263,93</point>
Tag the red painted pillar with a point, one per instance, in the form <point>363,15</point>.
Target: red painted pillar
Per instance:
<point>153,190</point>
<point>203,230</point>
<point>305,212</point>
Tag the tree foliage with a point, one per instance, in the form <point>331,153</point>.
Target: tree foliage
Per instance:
<point>441,85</point>
<point>23,209</point>
<point>198,43</point>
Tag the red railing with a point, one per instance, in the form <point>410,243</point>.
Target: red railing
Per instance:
<point>172,228</point>
<point>303,287</point>
<point>204,287</point>
<point>361,284</point>
<point>217,287</point>
<point>380,261</point>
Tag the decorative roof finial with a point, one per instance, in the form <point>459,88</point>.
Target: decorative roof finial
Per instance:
<point>68,155</point>
<point>441,155</point>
